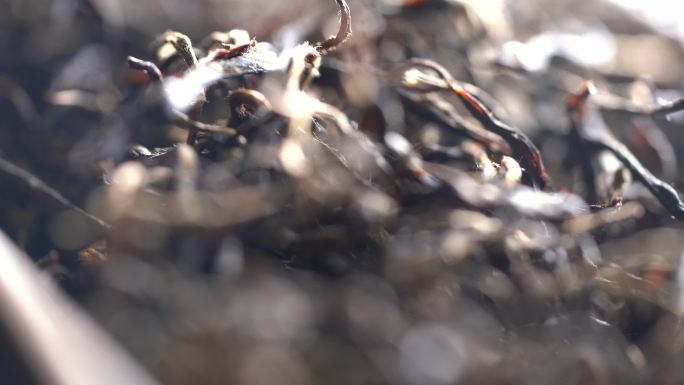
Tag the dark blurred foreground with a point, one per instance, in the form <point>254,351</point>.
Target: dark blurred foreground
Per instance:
<point>343,217</point>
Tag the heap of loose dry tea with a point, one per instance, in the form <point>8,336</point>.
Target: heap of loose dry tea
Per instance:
<point>434,198</point>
